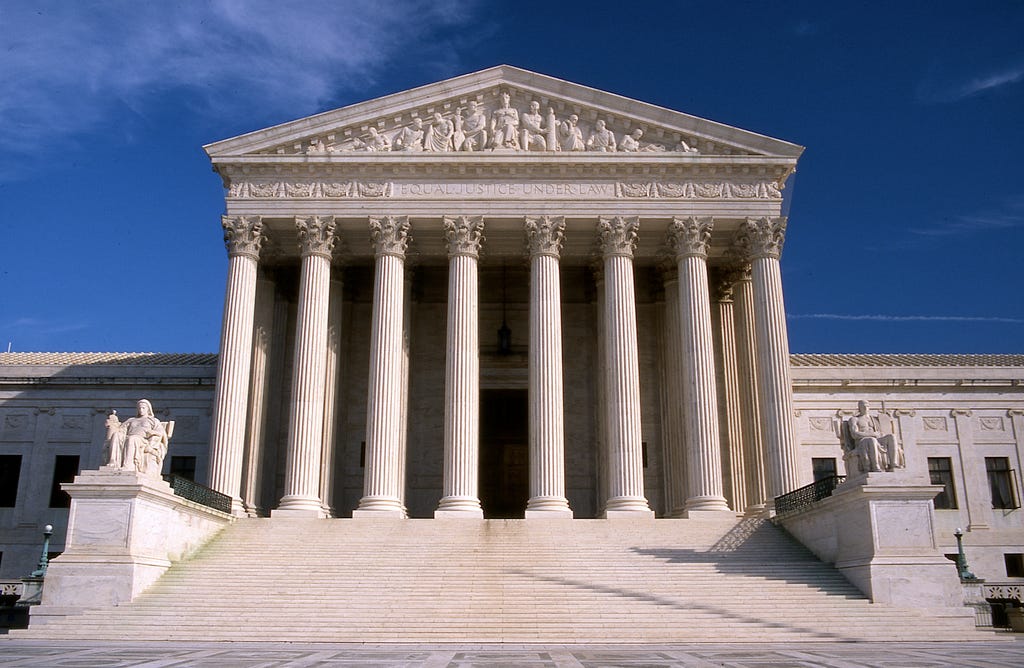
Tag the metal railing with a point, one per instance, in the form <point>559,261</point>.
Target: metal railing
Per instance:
<point>807,495</point>
<point>193,491</point>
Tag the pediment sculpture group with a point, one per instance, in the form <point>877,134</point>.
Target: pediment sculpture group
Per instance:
<point>138,444</point>
<point>507,129</point>
<point>870,443</point>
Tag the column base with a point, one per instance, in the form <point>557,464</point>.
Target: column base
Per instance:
<point>627,504</point>
<point>550,506</point>
<point>628,514</point>
<point>706,504</point>
<point>459,506</point>
<point>362,514</point>
<point>551,514</point>
<point>380,506</point>
<point>297,506</point>
<point>710,514</point>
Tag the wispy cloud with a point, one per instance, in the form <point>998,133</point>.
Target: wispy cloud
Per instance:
<point>64,64</point>
<point>1008,216</point>
<point>29,325</point>
<point>878,317</point>
<point>937,91</point>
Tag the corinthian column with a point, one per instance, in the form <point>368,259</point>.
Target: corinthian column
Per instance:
<point>762,239</point>
<point>673,428</point>
<point>688,238</point>
<point>547,440</point>
<point>382,481</point>
<point>622,371</point>
<point>306,411</point>
<point>730,421</point>
<point>746,371</point>
<point>462,371</point>
<point>331,381</point>
<point>242,236</point>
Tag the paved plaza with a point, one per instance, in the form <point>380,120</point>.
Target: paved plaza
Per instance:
<point>16,653</point>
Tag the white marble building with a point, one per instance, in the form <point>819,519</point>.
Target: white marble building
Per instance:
<point>506,295</point>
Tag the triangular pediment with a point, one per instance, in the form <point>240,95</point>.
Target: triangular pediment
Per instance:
<point>502,110</point>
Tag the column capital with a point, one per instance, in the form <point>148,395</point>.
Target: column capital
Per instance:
<point>464,235</point>
<point>243,235</point>
<point>389,235</point>
<point>544,235</point>
<point>316,235</point>
<point>667,268</point>
<point>617,235</point>
<point>722,282</point>
<point>761,238</point>
<point>690,236</point>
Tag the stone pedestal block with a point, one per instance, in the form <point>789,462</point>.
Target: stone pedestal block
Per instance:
<point>879,531</point>
<point>124,530</point>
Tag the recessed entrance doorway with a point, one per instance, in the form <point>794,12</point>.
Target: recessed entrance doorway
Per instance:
<point>504,453</point>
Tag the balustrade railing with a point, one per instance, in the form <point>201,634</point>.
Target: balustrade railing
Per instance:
<point>807,495</point>
<point>193,491</point>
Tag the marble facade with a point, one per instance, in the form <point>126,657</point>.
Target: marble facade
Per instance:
<point>505,295</point>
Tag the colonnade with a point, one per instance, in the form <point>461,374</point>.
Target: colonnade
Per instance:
<point>754,347</point>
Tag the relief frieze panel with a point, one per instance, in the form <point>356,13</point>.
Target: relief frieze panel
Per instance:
<point>547,189</point>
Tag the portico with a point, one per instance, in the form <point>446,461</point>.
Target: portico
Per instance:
<point>366,288</point>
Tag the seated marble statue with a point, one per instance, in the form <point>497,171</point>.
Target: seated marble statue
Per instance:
<point>870,443</point>
<point>139,443</point>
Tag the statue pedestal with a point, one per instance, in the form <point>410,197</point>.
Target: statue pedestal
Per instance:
<point>124,530</point>
<point>878,529</point>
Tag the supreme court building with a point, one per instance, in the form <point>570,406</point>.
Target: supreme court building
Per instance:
<point>505,295</point>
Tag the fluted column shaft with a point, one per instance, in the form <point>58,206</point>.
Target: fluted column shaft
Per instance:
<point>403,418</point>
<point>622,373</point>
<point>689,239</point>
<point>746,369</point>
<point>462,371</point>
<point>382,493</point>
<point>547,436</point>
<point>765,238</point>
<point>306,409</point>
<point>252,468</point>
<point>730,417</point>
<point>673,428</point>
<point>242,236</point>
<point>331,381</point>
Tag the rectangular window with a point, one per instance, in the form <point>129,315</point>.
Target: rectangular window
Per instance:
<point>184,467</point>
<point>823,467</point>
<point>10,474</point>
<point>1000,482</point>
<point>65,468</point>
<point>940,470</point>
<point>1014,565</point>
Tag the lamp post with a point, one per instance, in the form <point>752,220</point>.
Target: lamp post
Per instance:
<point>44,559</point>
<point>961,558</point>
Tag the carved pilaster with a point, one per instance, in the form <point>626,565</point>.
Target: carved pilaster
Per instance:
<point>316,235</point>
<point>689,237</point>
<point>544,235</point>
<point>761,237</point>
<point>617,235</point>
<point>464,235</point>
<point>243,235</point>
<point>390,235</point>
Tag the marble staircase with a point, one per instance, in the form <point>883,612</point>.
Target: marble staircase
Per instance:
<point>516,581</point>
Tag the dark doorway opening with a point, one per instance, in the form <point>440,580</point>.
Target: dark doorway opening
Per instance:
<point>504,453</point>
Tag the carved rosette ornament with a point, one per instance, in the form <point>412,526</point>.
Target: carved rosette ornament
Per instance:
<point>464,234</point>
<point>243,235</point>
<point>545,234</point>
<point>689,237</point>
<point>316,235</point>
<point>390,235</point>
<point>617,235</point>
<point>762,237</point>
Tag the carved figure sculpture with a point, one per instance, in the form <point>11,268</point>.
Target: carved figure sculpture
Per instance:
<point>411,137</point>
<point>631,142</point>
<point>139,443</point>
<point>474,129</point>
<point>570,137</point>
<point>534,132</point>
<point>685,148</point>
<point>439,136</point>
<point>869,442</point>
<point>601,139</point>
<point>505,125</point>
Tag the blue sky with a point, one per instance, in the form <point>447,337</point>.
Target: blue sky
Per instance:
<point>907,224</point>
